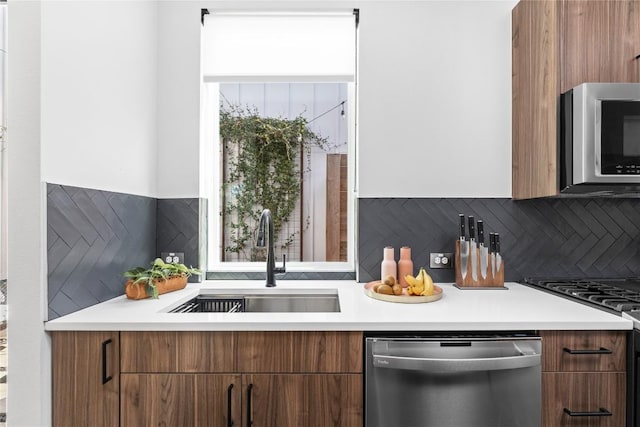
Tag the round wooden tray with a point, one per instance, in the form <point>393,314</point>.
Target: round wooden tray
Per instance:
<point>404,298</point>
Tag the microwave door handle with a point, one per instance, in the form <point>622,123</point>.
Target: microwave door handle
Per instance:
<point>455,365</point>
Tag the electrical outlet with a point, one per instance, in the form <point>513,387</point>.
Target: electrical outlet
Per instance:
<point>441,260</point>
<point>172,257</point>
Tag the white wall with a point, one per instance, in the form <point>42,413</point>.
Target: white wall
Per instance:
<point>29,385</point>
<point>435,99</point>
<point>99,95</point>
<point>3,158</point>
<point>434,88</point>
<point>179,99</point>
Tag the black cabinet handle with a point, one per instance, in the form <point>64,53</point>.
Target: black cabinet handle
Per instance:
<point>105,378</point>
<point>229,419</point>
<point>600,413</point>
<point>601,350</point>
<point>249,420</point>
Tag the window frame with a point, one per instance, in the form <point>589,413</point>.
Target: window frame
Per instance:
<point>210,166</point>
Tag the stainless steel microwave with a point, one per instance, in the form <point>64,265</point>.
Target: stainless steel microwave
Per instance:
<point>599,150</point>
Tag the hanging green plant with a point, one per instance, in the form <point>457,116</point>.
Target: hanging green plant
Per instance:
<point>265,158</point>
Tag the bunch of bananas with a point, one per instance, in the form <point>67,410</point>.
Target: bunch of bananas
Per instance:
<point>422,284</point>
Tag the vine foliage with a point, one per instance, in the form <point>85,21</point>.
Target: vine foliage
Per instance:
<point>265,158</point>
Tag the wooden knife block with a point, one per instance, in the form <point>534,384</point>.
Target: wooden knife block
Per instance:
<point>496,281</point>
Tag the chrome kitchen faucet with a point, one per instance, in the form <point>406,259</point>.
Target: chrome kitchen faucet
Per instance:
<point>267,221</point>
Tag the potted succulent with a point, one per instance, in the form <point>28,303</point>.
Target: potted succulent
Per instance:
<point>158,279</point>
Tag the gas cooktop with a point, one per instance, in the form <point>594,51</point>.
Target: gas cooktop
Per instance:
<point>618,295</point>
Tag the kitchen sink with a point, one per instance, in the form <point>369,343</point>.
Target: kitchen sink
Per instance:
<point>309,301</point>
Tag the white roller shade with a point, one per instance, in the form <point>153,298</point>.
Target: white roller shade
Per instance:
<point>278,47</point>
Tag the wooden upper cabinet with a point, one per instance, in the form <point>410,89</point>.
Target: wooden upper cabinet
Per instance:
<point>624,44</point>
<point>557,45</point>
<point>535,79</point>
<point>600,40</point>
<point>585,43</point>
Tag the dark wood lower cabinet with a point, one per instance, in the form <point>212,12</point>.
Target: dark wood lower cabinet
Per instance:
<point>180,400</point>
<point>583,378</point>
<point>588,396</point>
<point>218,400</point>
<point>287,379</point>
<point>86,378</point>
<point>241,379</point>
<point>311,400</point>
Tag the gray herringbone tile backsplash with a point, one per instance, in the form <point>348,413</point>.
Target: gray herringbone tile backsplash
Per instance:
<point>92,237</point>
<point>576,237</point>
<point>178,229</point>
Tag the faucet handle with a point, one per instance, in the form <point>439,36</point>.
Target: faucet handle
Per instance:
<point>282,269</point>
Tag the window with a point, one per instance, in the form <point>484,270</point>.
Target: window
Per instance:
<point>294,74</point>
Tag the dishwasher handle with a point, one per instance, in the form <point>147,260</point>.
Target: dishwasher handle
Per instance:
<point>457,365</point>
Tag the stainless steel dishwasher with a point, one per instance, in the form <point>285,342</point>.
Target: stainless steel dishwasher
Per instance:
<point>461,381</point>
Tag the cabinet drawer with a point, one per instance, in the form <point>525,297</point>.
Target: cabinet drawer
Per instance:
<point>180,351</point>
<point>298,351</point>
<point>586,395</point>
<point>583,351</point>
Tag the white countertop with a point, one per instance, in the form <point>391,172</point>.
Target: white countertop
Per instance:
<point>518,308</point>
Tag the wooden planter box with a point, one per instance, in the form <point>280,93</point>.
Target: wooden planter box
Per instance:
<point>139,290</point>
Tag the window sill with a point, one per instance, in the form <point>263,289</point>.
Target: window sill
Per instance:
<point>289,275</point>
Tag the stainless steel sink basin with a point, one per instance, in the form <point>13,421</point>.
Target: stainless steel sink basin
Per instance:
<point>317,301</point>
<point>292,303</point>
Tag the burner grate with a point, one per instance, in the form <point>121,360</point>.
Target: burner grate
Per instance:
<point>613,294</point>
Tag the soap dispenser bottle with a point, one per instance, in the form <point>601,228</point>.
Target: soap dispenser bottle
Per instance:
<point>388,266</point>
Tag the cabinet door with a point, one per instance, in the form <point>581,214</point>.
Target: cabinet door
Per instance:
<point>584,49</point>
<point>310,400</point>
<point>535,86</point>
<point>586,395</point>
<point>180,400</point>
<point>624,43</point>
<point>85,378</point>
<point>600,40</point>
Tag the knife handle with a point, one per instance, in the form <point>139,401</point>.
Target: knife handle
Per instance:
<point>462,233</point>
<point>492,242</point>
<point>497,243</point>
<point>480,232</point>
<point>472,228</point>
